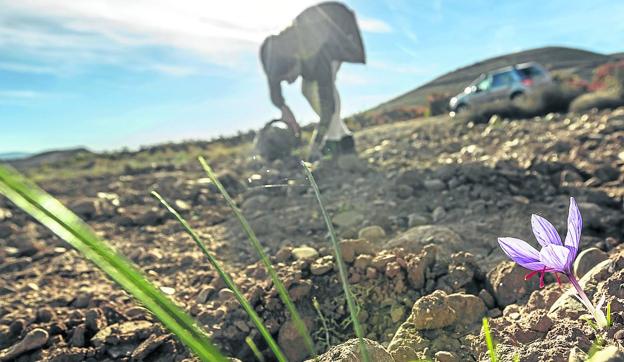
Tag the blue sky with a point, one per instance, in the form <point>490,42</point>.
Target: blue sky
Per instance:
<point>108,74</point>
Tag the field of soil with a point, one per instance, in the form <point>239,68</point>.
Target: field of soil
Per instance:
<point>418,213</point>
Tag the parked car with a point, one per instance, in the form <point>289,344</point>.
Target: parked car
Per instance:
<point>505,83</point>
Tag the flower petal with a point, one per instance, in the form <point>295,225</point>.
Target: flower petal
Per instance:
<point>521,252</point>
<point>575,225</point>
<point>544,231</point>
<point>558,257</point>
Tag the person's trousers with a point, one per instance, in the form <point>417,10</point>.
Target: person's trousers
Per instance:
<point>330,127</point>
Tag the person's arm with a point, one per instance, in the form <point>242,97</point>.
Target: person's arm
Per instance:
<point>275,88</point>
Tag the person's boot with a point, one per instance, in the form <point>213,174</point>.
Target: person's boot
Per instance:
<point>330,148</point>
<point>347,145</point>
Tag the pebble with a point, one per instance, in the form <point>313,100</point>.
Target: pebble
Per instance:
<point>435,185</point>
<point>305,253</point>
<point>35,339</point>
<point>373,233</point>
<point>322,265</point>
<point>444,356</point>
<point>438,214</point>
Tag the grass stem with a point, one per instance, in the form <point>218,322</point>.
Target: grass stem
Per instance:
<point>251,235</point>
<point>342,269</point>
<point>226,278</point>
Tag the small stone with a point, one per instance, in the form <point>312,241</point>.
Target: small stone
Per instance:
<point>380,261</point>
<point>305,253</point>
<point>468,308</point>
<point>87,208</point>
<point>122,332</point>
<point>588,259</point>
<point>349,249</point>
<point>373,233</point>
<point>300,291</point>
<point>204,294</point>
<point>607,173</point>
<point>35,339</point>
<point>225,294</point>
<point>283,254</point>
<point>432,312</point>
<point>507,283</point>
<point>350,352</point>
<point>82,300</point>
<point>78,338</point>
<point>44,315</point>
<point>371,273</point>
<point>488,299</point>
<point>148,346</point>
<point>396,313</point>
<point>95,319</point>
<point>435,185</point>
<point>182,205</point>
<point>168,290</point>
<point>136,313</point>
<point>322,265</point>
<point>347,219</point>
<point>291,342</point>
<point>444,356</point>
<point>392,269</point>
<point>404,191</point>
<point>414,220</point>
<point>362,261</point>
<point>438,214</point>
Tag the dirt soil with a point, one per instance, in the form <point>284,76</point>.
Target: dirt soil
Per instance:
<point>418,213</point>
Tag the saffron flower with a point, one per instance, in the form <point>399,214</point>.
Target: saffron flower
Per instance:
<point>555,256</point>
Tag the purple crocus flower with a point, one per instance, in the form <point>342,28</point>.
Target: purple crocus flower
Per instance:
<point>555,256</point>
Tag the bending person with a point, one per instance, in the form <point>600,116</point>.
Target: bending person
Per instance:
<point>313,47</point>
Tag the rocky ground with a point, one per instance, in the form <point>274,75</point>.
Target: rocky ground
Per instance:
<point>418,213</point>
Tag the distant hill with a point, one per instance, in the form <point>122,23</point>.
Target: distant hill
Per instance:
<point>559,59</point>
<point>6,156</point>
<point>49,157</point>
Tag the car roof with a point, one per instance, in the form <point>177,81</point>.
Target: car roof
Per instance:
<point>509,68</point>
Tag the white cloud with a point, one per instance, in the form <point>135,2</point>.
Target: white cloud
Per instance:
<point>374,25</point>
<point>174,70</point>
<point>217,31</point>
<point>220,32</point>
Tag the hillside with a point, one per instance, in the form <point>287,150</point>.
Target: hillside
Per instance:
<point>558,59</point>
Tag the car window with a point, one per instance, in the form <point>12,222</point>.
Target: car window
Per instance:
<point>531,72</point>
<point>502,79</point>
<point>484,84</point>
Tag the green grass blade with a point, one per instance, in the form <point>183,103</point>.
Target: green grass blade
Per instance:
<point>317,306</point>
<point>609,323</point>
<point>342,269</point>
<point>227,279</point>
<point>254,349</point>
<point>251,235</point>
<point>489,341</point>
<point>69,227</point>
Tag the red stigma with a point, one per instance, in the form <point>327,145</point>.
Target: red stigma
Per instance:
<point>542,273</point>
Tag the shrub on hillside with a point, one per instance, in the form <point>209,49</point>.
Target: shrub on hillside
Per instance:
<point>608,84</point>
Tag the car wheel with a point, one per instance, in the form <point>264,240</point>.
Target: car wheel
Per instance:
<point>517,96</point>
<point>462,108</point>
